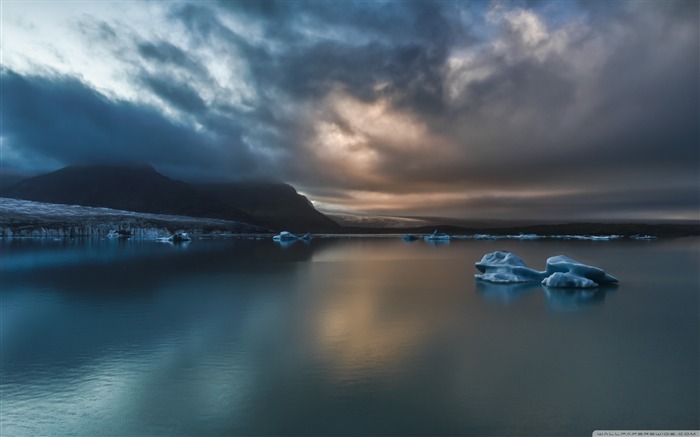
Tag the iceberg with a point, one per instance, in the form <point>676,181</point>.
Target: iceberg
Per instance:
<point>564,264</point>
<point>285,236</point>
<point>435,236</point>
<point>542,236</point>
<point>121,233</point>
<point>567,280</point>
<point>642,237</point>
<point>179,237</point>
<point>502,267</point>
<point>506,268</point>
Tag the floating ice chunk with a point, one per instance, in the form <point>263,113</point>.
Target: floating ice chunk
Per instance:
<point>567,280</point>
<point>499,258</point>
<point>285,236</point>
<point>564,264</point>
<point>179,237</point>
<point>642,237</point>
<point>562,272</point>
<point>506,268</point>
<point>505,278</point>
<point>436,236</point>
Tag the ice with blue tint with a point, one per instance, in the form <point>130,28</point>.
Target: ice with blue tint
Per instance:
<point>562,272</point>
<point>567,280</point>
<point>437,236</point>
<point>564,264</point>
<point>506,268</point>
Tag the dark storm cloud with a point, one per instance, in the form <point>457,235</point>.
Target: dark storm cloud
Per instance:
<point>179,94</point>
<point>361,44</point>
<point>594,98</point>
<point>62,120</point>
<point>635,117</point>
<point>166,54</point>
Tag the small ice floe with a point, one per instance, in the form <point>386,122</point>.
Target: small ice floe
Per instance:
<point>436,236</point>
<point>538,237</point>
<point>508,237</point>
<point>119,233</point>
<point>562,272</point>
<point>642,237</point>
<point>285,236</point>
<point>179,237</point>
<point>410,237</point>
<point>601,237</point>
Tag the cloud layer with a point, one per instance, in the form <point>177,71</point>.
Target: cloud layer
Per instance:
<point>529,110</point>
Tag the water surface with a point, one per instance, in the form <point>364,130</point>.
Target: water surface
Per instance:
<point>342,337</point>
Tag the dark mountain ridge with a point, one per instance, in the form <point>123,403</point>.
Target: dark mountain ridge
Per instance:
<point>275,204</point>
<point>141,188</point>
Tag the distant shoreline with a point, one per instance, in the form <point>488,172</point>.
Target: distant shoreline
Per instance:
<point>21,218</point>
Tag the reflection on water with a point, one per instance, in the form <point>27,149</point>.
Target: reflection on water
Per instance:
<point>437,242</point>
<point>287,243</point>
<point>341,337</point>
<point>574,300</point>
<point>558,299</point>
<point>505,293</point>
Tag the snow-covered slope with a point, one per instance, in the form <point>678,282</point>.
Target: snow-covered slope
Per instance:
<point>37,219</point>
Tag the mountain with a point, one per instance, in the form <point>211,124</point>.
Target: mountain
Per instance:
<point>137,188</point>
<point>274,204</point>
<point>9,178</point>
<point>140,188</point>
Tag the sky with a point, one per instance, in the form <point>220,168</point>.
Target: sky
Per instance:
<point>576,110</point>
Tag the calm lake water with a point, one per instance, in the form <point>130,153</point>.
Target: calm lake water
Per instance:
<point>342,337</point>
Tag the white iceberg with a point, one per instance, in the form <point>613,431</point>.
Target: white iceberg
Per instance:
<point>506,268</point>
<point>502,267</point>
<point>564,264</point>
<point>179,237</point>
<point>288,236</point>
<point>435,236</point>
<point>642,237</point>
<point>567,280</point>
<point>285,236</point>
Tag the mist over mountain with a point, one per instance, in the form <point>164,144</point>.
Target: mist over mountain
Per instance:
<point>141,188</point>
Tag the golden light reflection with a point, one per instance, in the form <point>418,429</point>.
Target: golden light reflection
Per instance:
<point>362,325</point>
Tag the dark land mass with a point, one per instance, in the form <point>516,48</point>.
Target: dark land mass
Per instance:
<point>260,205</point>
<point>141,188</point>
<point>624,229</point>
<point>37,219</point>
<point>273,204</point>
<point>137,188</point>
